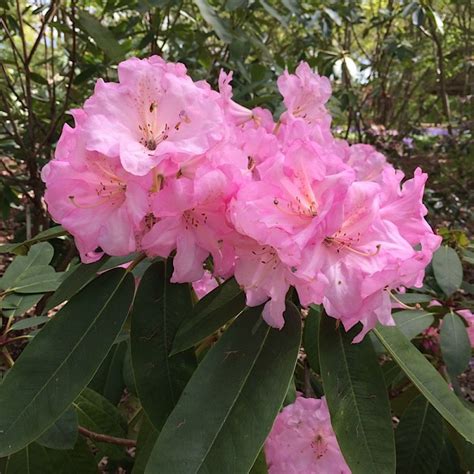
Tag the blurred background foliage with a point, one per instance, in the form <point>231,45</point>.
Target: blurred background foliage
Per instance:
<point>402,76</point>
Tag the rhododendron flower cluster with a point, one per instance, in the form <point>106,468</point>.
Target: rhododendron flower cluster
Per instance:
<point>162,164</point>
<point>302,441</point>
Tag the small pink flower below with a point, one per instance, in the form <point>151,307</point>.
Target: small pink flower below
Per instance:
<point>302,441</point>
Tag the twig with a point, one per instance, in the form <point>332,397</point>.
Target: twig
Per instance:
<point>129,443</point>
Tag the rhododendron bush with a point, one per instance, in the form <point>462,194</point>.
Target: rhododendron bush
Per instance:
<point>210,235</point>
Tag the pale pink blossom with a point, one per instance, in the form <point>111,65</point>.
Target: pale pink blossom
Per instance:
<point>205,285</point>
<point>469,318</point>
<point>302,441</point>
<point>155,110</point>
<point>94,198</point>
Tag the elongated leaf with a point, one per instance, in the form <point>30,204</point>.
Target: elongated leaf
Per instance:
<point>28,323</point>
<point>61,359</point>
<point>447,268</point>
<point>227,409</point>
<point>36,459</point>
<point>449,460</point>
<point>49,280</point>
<point>102,36</point>
<point>97,414</point>
<point>219,25</point>
<point>412,323</point>
<point>357,399</point>
<point>210,313</point>
<point>411,298</point>
<point>419,438</point>
<point>260,466</point>
<point>159,308</point>
<point>17,304</point>
<point>108,380</point>
<point>310,338</point>
<point>455,344</point>
<point>428,381</point>
<point>62,434</point>
<point>147,437</point>
<point>77,280</point>
<point>39,255</point>
<point>21,248</point>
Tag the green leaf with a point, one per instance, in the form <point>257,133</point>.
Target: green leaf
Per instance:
<point>16,304</point>
<point>419,439</point>
<point>21,248</point>
<point>108,379</point>
<point>449,460</point>
<point>447,268</point>
<point>412,323</point>
<point>147,437</point>
<point>39,255</point>
<point>311,336</point>
<point>48,280</point>
<point>455,344</point>
<point>159,308</point>
<point>210,313</point>
<point>68,350</point>
<point>102,36</point>
<point>36,459</point>
<point>97,414</point>
<point>219,25</point>
<point>411,298</point>
<point>73,283</point>
<point>63,433</point>
<point>428,381</point>
<point>357,399</point>
<point>260,466</point>
<point>228,407</point>
<point>28,323</point>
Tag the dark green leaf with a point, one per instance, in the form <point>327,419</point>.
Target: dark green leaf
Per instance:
<point>159,308</point>
<point>412,323</point>
<point>36,459</point>
<point>419,438</point>
<point>428,381</point>
<point>411,298</point>
<point>447,268</point>
<point>147,437</point>
<point>218,24</point>
<point>210,313</point>
<point>243,378</point>
<point>77,280</point>
<point>48,280</point>
<point>21,248</point>
<point>108,380</point>
<point>102,36</point>
<point>63,433</point>
<point>310,338</point>
<point>69,349</point>
<point>28,323</point>
<point>449,460</point>
<point>357,399</point>
<point>455,344</point>
<point>260,466</point>
<point>97,414</point>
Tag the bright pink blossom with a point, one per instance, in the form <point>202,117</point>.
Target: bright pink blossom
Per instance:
<point>302,441</point>
<point>205,285</point>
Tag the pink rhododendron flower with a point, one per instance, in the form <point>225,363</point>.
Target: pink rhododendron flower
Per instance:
<point>302,441</point>
<point>469,318</point>
<point>205,285</point>
<point>162,164</point>
<point>155,110</point>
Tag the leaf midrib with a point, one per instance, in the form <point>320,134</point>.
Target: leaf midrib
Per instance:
<point>346,364</point>
<point>68,356</point>
<point>244,382</point>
